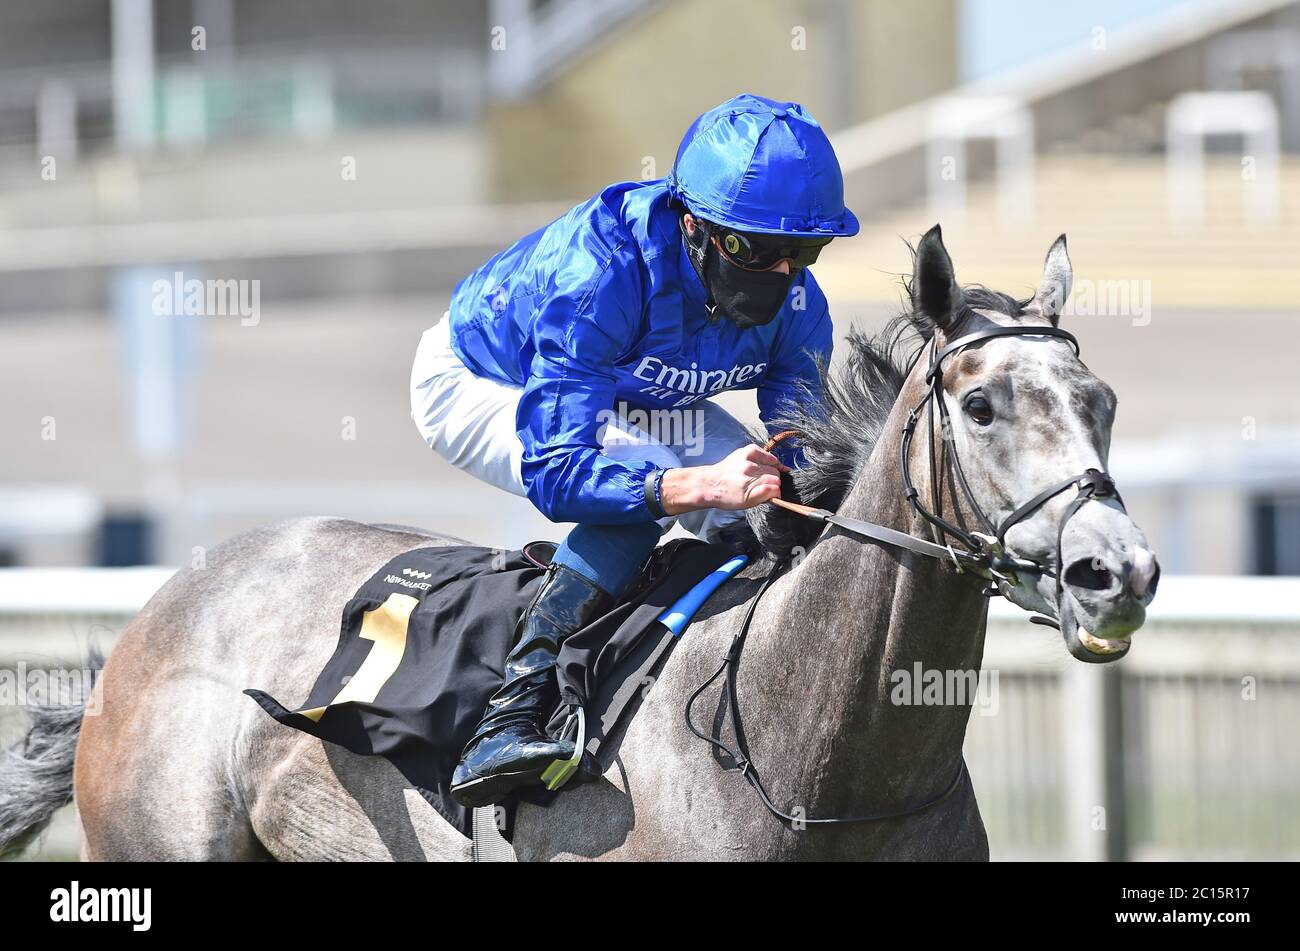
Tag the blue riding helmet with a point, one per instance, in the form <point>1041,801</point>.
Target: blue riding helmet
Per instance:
<point>757,165</point>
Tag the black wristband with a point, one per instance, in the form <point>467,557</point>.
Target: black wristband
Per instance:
<point>653,502</point>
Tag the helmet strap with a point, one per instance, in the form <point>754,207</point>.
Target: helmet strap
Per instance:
<point>697,249</point>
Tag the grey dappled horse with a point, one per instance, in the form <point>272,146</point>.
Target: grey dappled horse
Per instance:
<point>181,765</point>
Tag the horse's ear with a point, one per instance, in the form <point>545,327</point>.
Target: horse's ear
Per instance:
<point>1058,277</point>
<point>937,300</point>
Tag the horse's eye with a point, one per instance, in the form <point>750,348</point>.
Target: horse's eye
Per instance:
<point>979,409</point>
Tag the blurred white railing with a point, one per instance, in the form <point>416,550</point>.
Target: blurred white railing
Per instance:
<point>1185,749</point>
<point>884,158</point>
<point>150,243</point>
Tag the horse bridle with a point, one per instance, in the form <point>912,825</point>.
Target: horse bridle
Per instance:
<point>985,553</point>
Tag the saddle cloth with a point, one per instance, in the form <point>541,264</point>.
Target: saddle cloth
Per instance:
<point>424,640</point>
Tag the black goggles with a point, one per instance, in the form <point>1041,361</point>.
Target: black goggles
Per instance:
<point>758,252</point>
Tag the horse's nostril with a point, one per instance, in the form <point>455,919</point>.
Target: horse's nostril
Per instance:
<point>1088,573</point>
<point>1144,574</point>
<point>1154,582</point>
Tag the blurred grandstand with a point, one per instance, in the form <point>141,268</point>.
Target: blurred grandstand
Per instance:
<point>357,159</point>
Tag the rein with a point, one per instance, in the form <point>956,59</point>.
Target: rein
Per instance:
<point>740,755</point>
<point>984,554</point>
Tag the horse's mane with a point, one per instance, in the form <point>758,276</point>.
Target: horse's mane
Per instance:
<point>840,430</point>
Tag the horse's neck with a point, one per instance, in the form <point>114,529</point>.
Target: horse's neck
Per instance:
<point>857,618</point>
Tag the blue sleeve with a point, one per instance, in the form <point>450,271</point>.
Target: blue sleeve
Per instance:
<point>570,392</point>
<point>793,371</point>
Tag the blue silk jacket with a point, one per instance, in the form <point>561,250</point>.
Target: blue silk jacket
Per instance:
<point>602,306</point>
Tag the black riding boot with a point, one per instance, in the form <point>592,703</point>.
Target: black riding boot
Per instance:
<point>510,748</point>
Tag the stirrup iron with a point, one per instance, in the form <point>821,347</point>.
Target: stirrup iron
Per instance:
<point>561,770</point>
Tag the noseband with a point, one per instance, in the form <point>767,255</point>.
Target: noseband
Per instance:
<point>984,553</point>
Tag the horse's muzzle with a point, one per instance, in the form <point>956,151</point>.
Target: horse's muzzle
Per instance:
<point>1104,599</point>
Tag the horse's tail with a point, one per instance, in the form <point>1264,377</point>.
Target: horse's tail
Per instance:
<point>36,773</point>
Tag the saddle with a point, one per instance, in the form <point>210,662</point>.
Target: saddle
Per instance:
<point>423,642</point>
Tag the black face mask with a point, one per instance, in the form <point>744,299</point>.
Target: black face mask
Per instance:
<point>747,298</point>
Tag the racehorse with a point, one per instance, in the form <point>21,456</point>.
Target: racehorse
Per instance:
<point>973,449</point>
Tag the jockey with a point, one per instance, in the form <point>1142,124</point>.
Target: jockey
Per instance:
<point>635,306</point>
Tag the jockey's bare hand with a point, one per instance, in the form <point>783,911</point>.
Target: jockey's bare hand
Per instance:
<point>748,477</point>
